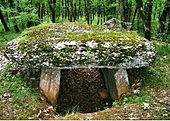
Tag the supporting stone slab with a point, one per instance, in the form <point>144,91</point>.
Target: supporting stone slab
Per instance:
<point>50,84</point>
<point>116,81</point>
<point>122,82</point>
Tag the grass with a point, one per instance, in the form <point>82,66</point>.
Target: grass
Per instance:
<point>15,85</point>
<point>24,97</point>
<point>6,37</point>
<point>158,75</point>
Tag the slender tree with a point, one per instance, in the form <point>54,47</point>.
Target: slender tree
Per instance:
<point>163,17</point>
<point>4,22</point>
<point>52,6</point>
<point>125,11</point>
<point>145,14</point>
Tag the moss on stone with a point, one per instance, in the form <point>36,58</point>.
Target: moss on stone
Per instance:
<point>80,45</point>
<point>79,32</point>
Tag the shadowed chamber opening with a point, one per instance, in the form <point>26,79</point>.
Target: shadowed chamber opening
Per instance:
<point>82,90</point>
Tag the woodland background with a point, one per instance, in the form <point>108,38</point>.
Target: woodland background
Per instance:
<point>149,17</point>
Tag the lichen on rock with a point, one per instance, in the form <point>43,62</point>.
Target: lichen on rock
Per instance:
<point>77,45</point>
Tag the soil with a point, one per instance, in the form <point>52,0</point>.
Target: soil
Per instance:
<point>158,109</point>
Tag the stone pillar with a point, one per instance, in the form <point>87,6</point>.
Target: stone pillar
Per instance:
<point>122,82</point>
<point>50,84</point>
<point>116,81</point>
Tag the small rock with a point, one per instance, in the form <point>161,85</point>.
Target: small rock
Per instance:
<point>10,100</point>
<point>136,91</point>
<point>40,114</point>
<point>161,101</point>
<point>30,118</point>
<point>3,101</point>
<point>146,106</point>
<point>148,115</point>
<point>133,118</point>
<point>50,108</point>
<point>89,118</point>
<point>168,109</point>
<point>164,57</point>
<point>3,61</point>
<point>165,115</point>
<point>7,95</point>
<point>95,113</point>
<point>27,105</point>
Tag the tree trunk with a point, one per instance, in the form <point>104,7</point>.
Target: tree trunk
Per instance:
<point>134,15</point>
<point>125,12</point>
<point>145,15</point>
<point>148,13</point>
<point>54,11</point>
<point>163,17</point>
<point>98,14</point>
<point>52,5</point>
<point>122,10</point>
<point>75,12</point>
<point>66,9</point>
<point>3,22</point>
<point>168,31</point>
<point>14,19</point>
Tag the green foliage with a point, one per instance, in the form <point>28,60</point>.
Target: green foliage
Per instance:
<point>115,103</point>
<point>97,33</point>
<point>163,37</point>
<point>137,99</point>
<point>20,13</point>
<point>157,75</point>
<point>163,49</point>
<point>6,37</point>
<point>16,86</point>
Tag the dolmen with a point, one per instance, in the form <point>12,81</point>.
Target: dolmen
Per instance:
<point>52,47</point>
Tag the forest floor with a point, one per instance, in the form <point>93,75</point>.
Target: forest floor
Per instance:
<point>20,100</point>
<point>159,109</point>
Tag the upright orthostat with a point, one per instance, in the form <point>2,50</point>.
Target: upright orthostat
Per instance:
<point>53,47</point>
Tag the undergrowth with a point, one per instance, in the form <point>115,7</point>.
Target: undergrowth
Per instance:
<point>24,97</point>
<point>6,37</point>
<point>158,74</point>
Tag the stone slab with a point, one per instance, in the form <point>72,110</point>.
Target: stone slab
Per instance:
<point>50,83</point>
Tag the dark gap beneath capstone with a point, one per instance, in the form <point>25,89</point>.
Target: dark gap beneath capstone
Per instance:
<point>135,75</point>
<point>82,90</point>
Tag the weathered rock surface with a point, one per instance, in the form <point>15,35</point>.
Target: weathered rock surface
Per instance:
<point>122,82</point>
<point>117,24</point>
<point>3,61</point>
<point>75,46</point>
<point>50,84</point>
<point>116,81</point>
